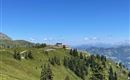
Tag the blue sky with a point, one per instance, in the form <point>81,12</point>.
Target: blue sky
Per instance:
<point>69,21</point>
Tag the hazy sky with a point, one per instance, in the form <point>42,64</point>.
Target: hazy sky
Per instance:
<point>68,21</point>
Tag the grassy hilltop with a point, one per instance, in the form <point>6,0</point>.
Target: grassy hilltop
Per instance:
<point>13,69</point>
<point>30,69</point>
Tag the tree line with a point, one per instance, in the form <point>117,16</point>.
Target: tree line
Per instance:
<point>81,65</point>
<point>27,55</point>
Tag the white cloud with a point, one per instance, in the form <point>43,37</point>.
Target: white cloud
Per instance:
<point>86,38</point>
<point>94,38</point>
<point>45,39</point>
<point>50,39</point>
<point>32,39</point>
<point>91,39</point>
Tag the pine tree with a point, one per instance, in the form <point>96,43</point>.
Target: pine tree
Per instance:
<point>30,55</point>
<point>64,46</point>
<point>129,74</point>
<point>26,55</point>
<point>75,53</point>
<point>54,60</point>
<point>17,55</point>
<point>111,77</point>
<point>120,64</point>
<point>81,55</point>
<point>115,75</point>
<point>71,52</point>
<point>46,73</point>
<point>49,72</point>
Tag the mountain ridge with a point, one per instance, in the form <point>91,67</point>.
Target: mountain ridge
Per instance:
<point>7,42</point>
<point>4,36</point>
<point>21,61</point>
<point>119,53</point>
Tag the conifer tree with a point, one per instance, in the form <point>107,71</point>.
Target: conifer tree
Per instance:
<point>30,55</point>
<point>46,73</point>
<point>111,77</point>
<point>115,75</point>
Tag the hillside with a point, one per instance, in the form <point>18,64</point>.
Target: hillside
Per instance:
<point>12,69</point>
<point>15,43</point>
<point>30,69</point>
<point>7,42</point>
<point>4,37</point>
<point>118,54</point>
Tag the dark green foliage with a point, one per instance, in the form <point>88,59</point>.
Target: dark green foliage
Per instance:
<point>17,55</point>
<point>46,73</point>
<point>104,63</point>
<point>64,46</point>
<point>79,65</point>
<point>124,72</point>
<point>115,75</point>
<point>96,67</point>
<point>112,76</point>
<point>54,60</point>
<point>81,55</point>
<point>120,64</point>
<point>66,63</point>
<point>38,45</point>
<point>97,72</point>
<point>74,52</point>
<point>103,58</point>
<point>129,74</point>
<point>30,55</point>
<point>98,56</point>
<point>43,45</point>
<point>27,55</point>
<point>71,52</point>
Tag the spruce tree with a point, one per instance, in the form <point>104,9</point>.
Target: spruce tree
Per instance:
<point>115,75</point>
<point>129,74</point>
<point>30,55</point>
<point>81,55</point>
<point>71,52</point>
<point>46,73</point>
<point>111,77</point>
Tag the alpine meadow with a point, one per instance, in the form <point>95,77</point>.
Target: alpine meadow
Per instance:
<point>64,40</point>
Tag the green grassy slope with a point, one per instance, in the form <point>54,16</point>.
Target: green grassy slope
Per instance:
<point>15,43</point>
<point>12,69</point>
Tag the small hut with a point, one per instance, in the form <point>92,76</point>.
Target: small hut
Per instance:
<point>59,44</point>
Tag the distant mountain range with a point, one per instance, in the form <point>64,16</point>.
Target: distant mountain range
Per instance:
<point>27,62</point>
<point>103,45</point>
<point>120,53</point>
<point>7,42</point>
